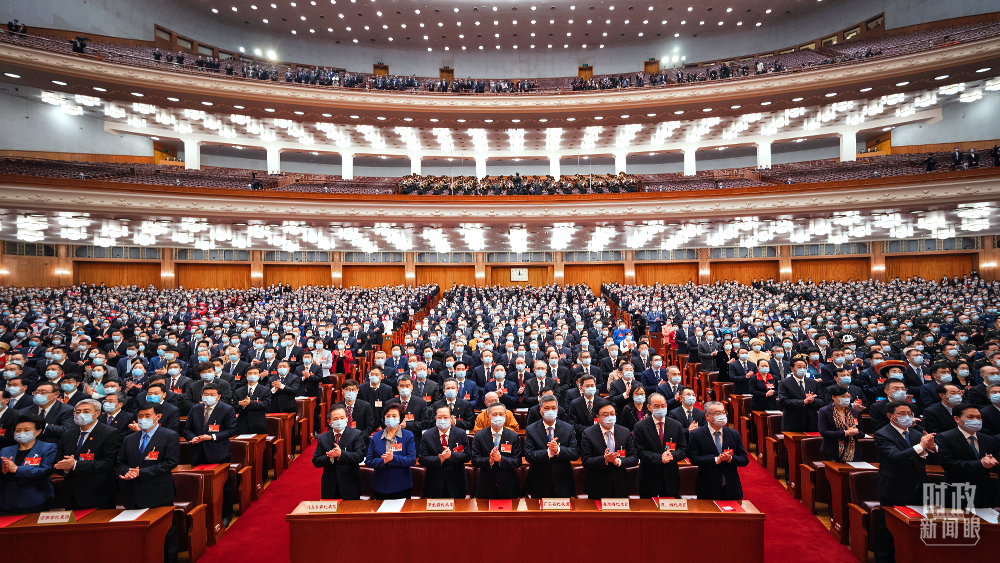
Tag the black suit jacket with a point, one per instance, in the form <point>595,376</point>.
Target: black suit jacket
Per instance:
<point>962,464</point>
<point>7,423</point>
<point>444,479</point>
<point>797,416</point>
<point>702,452</point>
<point>901,471</point>
<point>342,476</point>
<point>252,419</point>
<point>532,390</point>
<point>605,480</point>
<point>937,418</point>
<point>311,378</point>
<point>217,450</point>
<point>58,420</point>
<point>155,484</point>
<point>465,416</point>
<point>580,418</point>
<point>120,421</point>
<point>991,420</point>
<point>497,480</point>
<point>91,483</point>
<point>376,398</point>
<point>283,400</point>
<point>362,418</point>
<point>655,477</point>
<point>550,476</point>
<point>418,415</point>
<point>680,416</point>
<point>535,414</point>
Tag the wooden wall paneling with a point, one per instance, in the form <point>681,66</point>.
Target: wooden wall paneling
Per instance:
<point>931,267</point>
<point>593,274</point>
<point>298,275</point>
<point>446,276</point>
<point>142,274</point>
<point>236,276</point>
<point>373,276</point>
<point>537,275</point>
<point>32,271</point>
<point>831,269</point>
<point>744,271</point>
<point>652,274</point>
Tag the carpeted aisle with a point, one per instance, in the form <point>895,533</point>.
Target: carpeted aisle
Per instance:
<point>261,534</point>
<point>791,532</point>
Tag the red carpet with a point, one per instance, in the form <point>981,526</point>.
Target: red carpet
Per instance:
<point>791,533</point>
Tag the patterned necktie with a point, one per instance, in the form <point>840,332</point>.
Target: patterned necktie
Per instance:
<point>972,442</point>
<point>350,413</point>
<point>659,427</point>
<point>550,433</point>
<point>336,439</point>
<point>611,441</point>
<point>83,438</point>
<point>718,441</point>
<point>496,440</point>
<point>444,441</point>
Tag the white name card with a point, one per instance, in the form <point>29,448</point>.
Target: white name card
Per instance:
<point>673,504</point>
<point>320,506</point>
<point>615,504</point>
<point>57,517</point>
<point>556,504</point>
<point>441,504</point>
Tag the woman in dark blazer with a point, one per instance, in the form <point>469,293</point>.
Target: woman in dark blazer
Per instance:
<point>635,409</point>
<point>24,482</point>
<point>839,426</point>
<point>763,387</point>
<point>391,453</point>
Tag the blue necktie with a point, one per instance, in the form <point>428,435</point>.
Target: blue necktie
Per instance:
<point>79,443</point>
<point>143,442</point>
<point>496,440</point>
<point>718,441</point>
<point>550,434</point>
<point>611,441</point>
<point>972,442</point>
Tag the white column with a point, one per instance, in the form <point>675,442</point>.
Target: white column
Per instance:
<point>554,166</point>
<point>273,159</point>
<point>192,154</point>
<point>620,162</point>
<point>848,146</point>
<point>481,166</point>
<point>347,165</point>
<point>414,164</point>
<point>689,165</point>
<point>764,154</point>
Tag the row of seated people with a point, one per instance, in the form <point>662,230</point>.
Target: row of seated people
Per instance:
<point>518,185</point>
<point>331,77</point>
<point>700,181</point>
<point>140,173</point>
<point>879,166</point>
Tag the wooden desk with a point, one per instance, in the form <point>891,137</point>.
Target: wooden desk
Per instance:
<point>419,538</point>
<point>215,479</point>
<point>287,431</point>
<point>137,541</point>
<point>257,445</point>
<point>906,536</point>
<point>792,477</point>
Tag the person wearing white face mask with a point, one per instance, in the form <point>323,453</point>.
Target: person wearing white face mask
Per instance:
<point>938,417</point>
<point>550,447</point>
<point>799,399</point>
<point>970,456</point>
<point>839,424</point>
<point>210,425</point>
<point>607,451</point>
<point>506,389</point>
<point>416,411</point>
<point>57,415</point>
<point>661,442</point>
<point>391,453</point>
<point>496,452</point>
<point>376,393</point>
<point>90,454</point>
<point>718,452</point>
<point>252,402</point>
<point>443,452</point>
<point>339,452</point>
<point>26,467</point>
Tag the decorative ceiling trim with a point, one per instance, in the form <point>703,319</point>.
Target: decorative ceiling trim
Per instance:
<point>828,76</point>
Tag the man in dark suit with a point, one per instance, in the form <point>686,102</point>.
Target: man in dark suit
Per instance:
<point>359,413</point>
<point>376,393</point>
<point>290,352</point>
<point>670,387</point>
<point>417,413</point>
<point>654,376</point>
<point>465,416</point>
<point>496,451</point>
<point>740,371</point>
<point>619,389</point>
<point>8,420</point>
<point>144,464</point>
<point>991,412</point>
<point>798,397</point>
<point>902,451</point>
<point>708,351</point>
<point>340,451</point>
<point>607,451</point>
<point>114,414</point>
<point>311,375</point>
<point>284,388</point>
<point>549,447</point>
<point>252,403</point>
<point>157,393</point>
<point>533,386</point>
<point>938,417</point>
<point>57,415</point>
<point>443,452</point>
<point>234,370</point>
<point>660,442</point>
<point>535,412</point>
<point>718,452</point>
<point>90,458</point>
<point>969,457</point>
<point>583,410</point>
<point>689,416</point>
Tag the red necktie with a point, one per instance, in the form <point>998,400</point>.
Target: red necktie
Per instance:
<point>336,439</point>
<point>444,441</point>
<point>659,426</point>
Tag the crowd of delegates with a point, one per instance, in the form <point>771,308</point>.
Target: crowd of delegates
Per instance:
<point>95,380</point>
<point>517,184</point>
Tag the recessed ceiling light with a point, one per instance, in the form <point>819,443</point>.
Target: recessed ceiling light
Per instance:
<point>299,113</point>
<point>11,75</point>
<point>207,104</point>
<point>543,120</point>
<point>598,117</point>
<point>155,138</point>
<point>765,103</point>
<point>831,94</point>
<point>404,119</point>
<point>99,89</point>
<point>797,99</point>
<point>434,120</point>
<point>238,107</point>
<point>380,118</point>
<point>868,89</point>
<point>353,116</point>
<point>516,120</point>
<point>570,119</point>
<point>626,116</point>
<point>461,120</point>
<point>269,110</point>
<point>887,128</point>
<point>984,69</point>
<point>904,83</point>
<point>215,11</point>
<point>137,94</point>
<point>707,110</point>
<point>678,112</point>
<point>327,115</point>
<point>737,106</point>
<point>488,120</point>
<point>173,99</point>
<point>942,77</point>
<point>59,82</point>
<point>650,115</point>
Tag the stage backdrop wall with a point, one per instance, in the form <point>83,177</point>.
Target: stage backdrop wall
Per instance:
<point>652,274</point>
<point>446,276</point>
<point>235,276</point>
<point>297,276</point>
<point>537,275</point>
<point>373,276</point>
<point>142,274</point>
<point>929,267</point>
<point>744,272</point>
<point>594,275</point>
<point>831,269</point>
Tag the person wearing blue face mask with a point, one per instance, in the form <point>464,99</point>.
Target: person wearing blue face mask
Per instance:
<point>840,426</point>
<point>583,410</point>
<point>144,467</point>
<point>799,398</point>
<point>938,417</point>
<point>444,450</point>
<point>660,442</point>
<point>687,414</point>
<point>940,375</point>
<point>25,468</point>
<point>607,451</point>
<point>90,454</point>
<point>970,456</point>
<point>71,391</point>
<point>718,452</point>
<point>57,415</point>
<point>391,453</point>
<point>991,412</point>
<point>550,447</point>
<point>496,452</point>
<point>339,452</point>
<point>902,455</point>
<point>990,374</point>
<point>210,425</point>
<point>233,368</point>
<point>157,393</point>
<point>842,377</point>
<point>376,392</point>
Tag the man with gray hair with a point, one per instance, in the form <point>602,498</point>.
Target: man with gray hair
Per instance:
<point>718,452</point>
<point>549,448</point>
<point>90,453</point>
